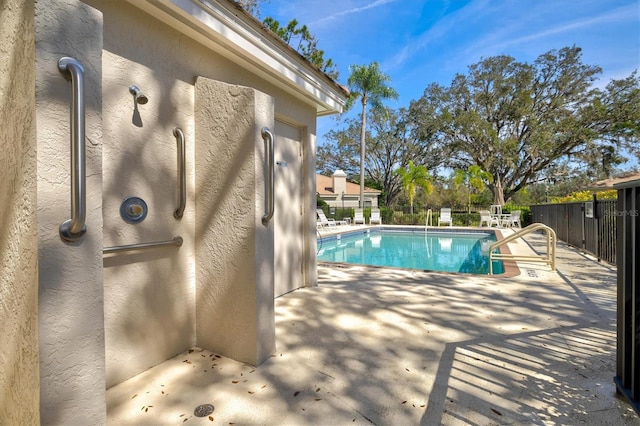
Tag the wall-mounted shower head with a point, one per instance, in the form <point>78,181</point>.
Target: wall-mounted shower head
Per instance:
<point>138,96</point>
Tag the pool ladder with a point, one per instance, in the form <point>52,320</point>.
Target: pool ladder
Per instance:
<point>429,220</point>
<point>549,258</point>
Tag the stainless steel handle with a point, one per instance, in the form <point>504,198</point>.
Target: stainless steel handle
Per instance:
<point>182,178</point>
<point>74,228</point>
<point>177,241</point>
<point>269,184</point>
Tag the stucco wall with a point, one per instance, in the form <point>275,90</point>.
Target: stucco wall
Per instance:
<point>141,50</point>
<point>149,295</point>
<point>234,305</point>
<point>19,381</point>
<point>71,321</point>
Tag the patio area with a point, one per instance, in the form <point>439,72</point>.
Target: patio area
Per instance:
<point>387,347</point>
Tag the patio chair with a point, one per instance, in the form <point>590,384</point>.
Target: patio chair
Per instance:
<point>323,219</point>
<point>375,217</point>
<point>358,216</point>
<point>496,210</point>
<point>485,217</point>
<point>445,216</point>
<point>513,219</point>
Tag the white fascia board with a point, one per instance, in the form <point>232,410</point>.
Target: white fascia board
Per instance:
<point>227,32</point>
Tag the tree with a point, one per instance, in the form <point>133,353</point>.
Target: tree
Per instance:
<point>369,84</point>
<point>414,177</point>
<point>516,119</point>
<point>615,113</point>
<point>391,142</point>
<point>473,178</point>
<point>299,38</point>
<point>252,6</point>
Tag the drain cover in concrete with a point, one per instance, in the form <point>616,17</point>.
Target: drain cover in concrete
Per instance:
<point>203,410</point>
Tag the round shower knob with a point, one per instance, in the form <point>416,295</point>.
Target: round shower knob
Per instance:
<point>133,210</point>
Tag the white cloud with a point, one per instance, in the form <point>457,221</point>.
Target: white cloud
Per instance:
<point>336,15</point>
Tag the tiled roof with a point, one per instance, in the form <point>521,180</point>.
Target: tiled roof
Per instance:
<point>604,184</point>
<point>324,186</point>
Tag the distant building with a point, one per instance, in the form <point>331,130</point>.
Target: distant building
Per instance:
<point>336,191</point>
<point>605,184</point>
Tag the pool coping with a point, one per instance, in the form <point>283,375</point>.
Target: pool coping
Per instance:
<point>511,268</point>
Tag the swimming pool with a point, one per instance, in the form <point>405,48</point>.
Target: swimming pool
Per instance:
<point>446,251</point>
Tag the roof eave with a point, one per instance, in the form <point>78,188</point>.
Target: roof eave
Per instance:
<point>231,32</point>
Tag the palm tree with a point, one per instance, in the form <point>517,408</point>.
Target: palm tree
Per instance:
<point>474,178</point>
<point>412,178</point>
<point>369,84</point>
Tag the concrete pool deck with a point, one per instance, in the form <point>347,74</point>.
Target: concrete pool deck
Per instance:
<point>389,347</point>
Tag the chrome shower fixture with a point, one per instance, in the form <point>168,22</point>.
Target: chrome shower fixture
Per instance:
<point>138,96</point>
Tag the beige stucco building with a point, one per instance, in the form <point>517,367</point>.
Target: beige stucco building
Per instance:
<point>174,99</point>
<point>337,191</point>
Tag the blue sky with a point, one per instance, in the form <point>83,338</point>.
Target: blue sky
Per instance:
<point>418,42</point>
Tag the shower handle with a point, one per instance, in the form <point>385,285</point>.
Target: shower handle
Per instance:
<point>269,184</point>
<point>74,228</point>
<point>182,178</point>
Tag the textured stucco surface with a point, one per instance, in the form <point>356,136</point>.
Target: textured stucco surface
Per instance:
<point>71,322</point>
<point>234,304</point>
<point>151,309</point>
<point>19,387</point>
<point>149,295</point>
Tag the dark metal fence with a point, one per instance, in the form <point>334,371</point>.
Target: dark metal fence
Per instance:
<point>594,233</point>
<point>628,313</point>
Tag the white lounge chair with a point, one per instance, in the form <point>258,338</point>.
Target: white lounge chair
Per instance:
<point>375,217</point>
<point>445,216</point>
<point>358,216</point>
<point>513,219</point>
<point>323,219</point>
<point>485,217</point>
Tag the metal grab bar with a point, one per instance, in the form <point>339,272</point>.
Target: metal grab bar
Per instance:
<point>549,258</point>
<point>182,178</point>
<point>74,228</point>
<point>269,185</point>
<point>177,241</point>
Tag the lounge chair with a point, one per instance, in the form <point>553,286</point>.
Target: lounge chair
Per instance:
<point>358,216</point>
<point>513,219</point>
<point>485,217</point>
<point>323,219</point>
<point>445,216</point>
<point>375,217</point>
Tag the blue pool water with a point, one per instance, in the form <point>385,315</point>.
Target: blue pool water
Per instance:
<point>466,252</point>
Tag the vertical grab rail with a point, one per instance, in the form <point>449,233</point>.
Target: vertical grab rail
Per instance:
<point>269,184</point>
<point>182,178</point>
<point>74,228</point>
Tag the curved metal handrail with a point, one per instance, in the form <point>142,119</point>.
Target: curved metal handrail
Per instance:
<point>269,184</point>
<point>182,178</point>
<point>549,258</point>
<point>74,228</point>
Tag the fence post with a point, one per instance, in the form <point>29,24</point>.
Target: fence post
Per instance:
<point>628,296</point>
<point>596,224</point>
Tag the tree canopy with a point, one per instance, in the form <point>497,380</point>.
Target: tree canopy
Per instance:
<point>412,178</point>
<point>515,119</point>
<point>473,178</point>
<point>300,38</point>
<point>391,142</point>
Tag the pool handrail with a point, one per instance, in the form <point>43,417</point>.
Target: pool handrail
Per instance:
<point>549,258</point>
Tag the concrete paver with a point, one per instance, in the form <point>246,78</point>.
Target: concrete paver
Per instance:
<point>390,347</point>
